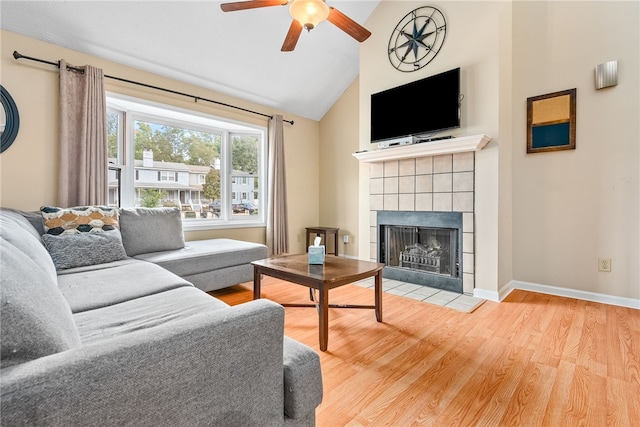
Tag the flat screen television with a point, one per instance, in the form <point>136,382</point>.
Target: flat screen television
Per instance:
<point>421,108</point>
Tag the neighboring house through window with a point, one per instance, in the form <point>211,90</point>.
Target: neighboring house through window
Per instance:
<point>186,159</point>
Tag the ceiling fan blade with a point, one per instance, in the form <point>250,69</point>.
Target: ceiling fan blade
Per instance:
<point>292,36</point>
<point>348,25</point>
<point>251,4</point>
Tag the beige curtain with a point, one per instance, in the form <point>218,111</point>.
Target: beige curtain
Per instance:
<point>83,137</point>
<point>277,223</point>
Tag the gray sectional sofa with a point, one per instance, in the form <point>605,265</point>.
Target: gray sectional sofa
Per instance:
<point>132,341</point>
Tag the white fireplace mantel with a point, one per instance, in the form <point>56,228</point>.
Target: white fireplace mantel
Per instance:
<point>434,148</point>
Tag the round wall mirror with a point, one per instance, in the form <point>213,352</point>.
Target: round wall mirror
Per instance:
<point>9,120</point>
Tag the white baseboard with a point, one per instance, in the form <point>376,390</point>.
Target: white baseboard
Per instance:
<point>485,294</point>
<point>502,293</point>
<point>553,290</point>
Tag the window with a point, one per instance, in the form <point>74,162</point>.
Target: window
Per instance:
<point>168,176</point>
<point>182,158</point>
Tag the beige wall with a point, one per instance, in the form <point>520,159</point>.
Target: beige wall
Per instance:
<point>339,169</point>
<point>28,168</point>
<point>572,207</point>
<point>544,218</point>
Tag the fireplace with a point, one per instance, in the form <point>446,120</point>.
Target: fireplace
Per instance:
<point>421,247</point>
<point>436,177</point>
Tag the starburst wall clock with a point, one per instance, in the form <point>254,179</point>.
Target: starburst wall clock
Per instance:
<point>417,39</point>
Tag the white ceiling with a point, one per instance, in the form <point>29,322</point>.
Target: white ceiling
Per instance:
<point>236,53</point>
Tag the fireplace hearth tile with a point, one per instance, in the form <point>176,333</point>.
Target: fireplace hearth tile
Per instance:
<point>404,288</point>
<point>389,284</point>
<point>460,302</point>
<point>424,292</point>
<point>442,297</point>
<point>465,303</point>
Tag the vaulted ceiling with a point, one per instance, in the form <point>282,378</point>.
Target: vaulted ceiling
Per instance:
<point>235,53</point>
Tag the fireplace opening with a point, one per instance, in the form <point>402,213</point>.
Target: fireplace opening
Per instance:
<point>421,247</point>
<point>432,250</point>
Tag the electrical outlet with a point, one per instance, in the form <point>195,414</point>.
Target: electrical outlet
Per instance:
<point>345,238</point>
<point>604,264</point>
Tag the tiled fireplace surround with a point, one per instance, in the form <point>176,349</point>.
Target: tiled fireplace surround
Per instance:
<point>427,179</point>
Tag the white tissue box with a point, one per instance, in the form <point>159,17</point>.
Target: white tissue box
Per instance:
<point>316,254</point>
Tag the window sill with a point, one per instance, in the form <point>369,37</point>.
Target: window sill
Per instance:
<point>203,224</point>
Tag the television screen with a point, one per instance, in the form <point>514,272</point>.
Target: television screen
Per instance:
<point>421,108</point>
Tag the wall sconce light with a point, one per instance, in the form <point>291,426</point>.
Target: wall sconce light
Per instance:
<point>606,74</point>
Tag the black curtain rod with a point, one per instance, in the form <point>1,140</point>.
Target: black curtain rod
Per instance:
<point>18,55</point>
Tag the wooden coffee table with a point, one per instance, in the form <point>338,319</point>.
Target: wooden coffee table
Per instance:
<point>333,273</point>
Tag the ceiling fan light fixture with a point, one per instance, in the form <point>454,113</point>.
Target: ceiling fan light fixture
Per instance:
<point>309,13</point>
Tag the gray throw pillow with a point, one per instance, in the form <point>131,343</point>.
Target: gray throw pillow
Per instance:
<point>78,250</point>
<point>146,230</point>
<point>36,319</point>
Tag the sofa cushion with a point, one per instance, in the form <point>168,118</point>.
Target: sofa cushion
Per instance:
<point>141,314</point>
<point>36,320</point>
<point>29,221</point>
<point>77,250</point>
<point>200,256</point>
<point>151,230</point>
<point>16,230</point>
<point>79,219</point>
<point>89,288</point>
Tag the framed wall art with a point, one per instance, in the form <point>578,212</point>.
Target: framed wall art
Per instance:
<point>551,122</point>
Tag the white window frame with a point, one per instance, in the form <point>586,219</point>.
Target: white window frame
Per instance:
<point>133,109</point>
<point>168,176</point>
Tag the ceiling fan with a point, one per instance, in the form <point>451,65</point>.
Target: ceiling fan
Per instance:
<point>306,14</point>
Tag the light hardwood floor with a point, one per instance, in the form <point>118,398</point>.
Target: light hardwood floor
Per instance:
<point>532,360</point>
